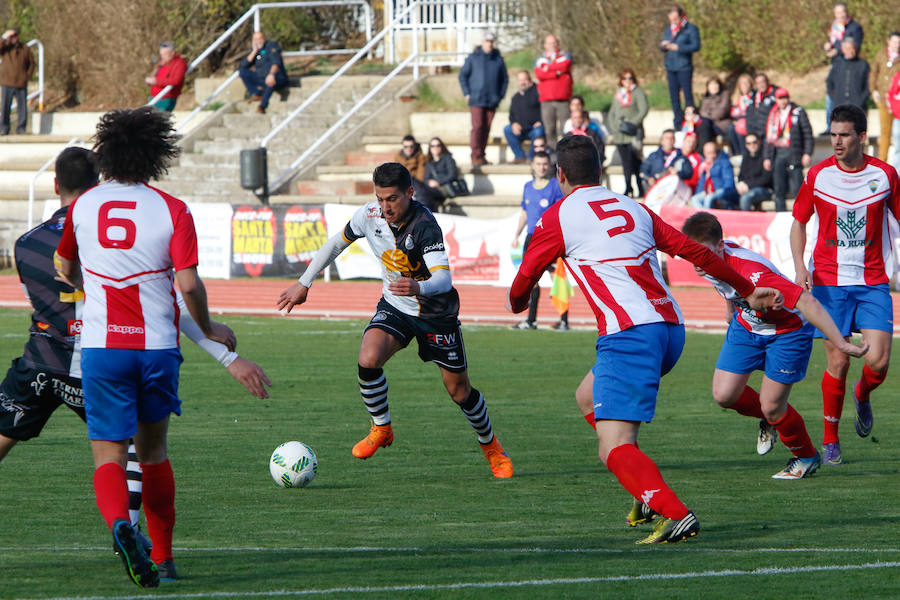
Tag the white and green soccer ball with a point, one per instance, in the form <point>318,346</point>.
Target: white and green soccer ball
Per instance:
<point>293,465</point>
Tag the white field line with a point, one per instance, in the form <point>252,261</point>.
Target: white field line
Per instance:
<point>510,584</point>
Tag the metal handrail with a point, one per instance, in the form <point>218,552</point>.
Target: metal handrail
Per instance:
<point>254,11</point>
<point>38,93</point>
<point>31,185</point>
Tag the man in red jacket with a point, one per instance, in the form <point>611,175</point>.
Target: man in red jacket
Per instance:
<point>553,70</point>
<point>170,70</point>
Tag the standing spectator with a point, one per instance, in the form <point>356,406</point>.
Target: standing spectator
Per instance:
<point>763,101</point>
<point>694,123</point>
<point>411,157</point>
<point>581,125</point>
<point>843,27</point>
<point>754,182</point>
<point>262,70</point>
<point>680,40</point>
<point>524,117</point>
<point>848,79</point>
<point>16,68</point>
<point>626,123</point>
<point>690,154</point>
<point>789,147</point>
<point>554,73</point>
<point>440,173</point>
<point>539,194</point>
<point>664,161</point>
<point>883,70</point>
<point>741,100</point>
<point>893,99</point>
<point>170,70</point>
<point>483,79</point>
<point>716,106</point>
<point>716,184</point>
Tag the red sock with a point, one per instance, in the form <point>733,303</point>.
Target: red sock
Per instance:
<point>792,431</point>
<point>111,489</point>
<point>592,421</point>
<point>833,390</point>
<point>159,508</point>
<point>640,476</point>
<point>868,382</point>
<point>748,404</point>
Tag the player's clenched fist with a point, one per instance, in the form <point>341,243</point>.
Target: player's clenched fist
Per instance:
<point>765,298</point>
<point>291,297</point>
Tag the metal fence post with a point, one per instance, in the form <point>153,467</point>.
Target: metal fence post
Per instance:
<point>415,40</point>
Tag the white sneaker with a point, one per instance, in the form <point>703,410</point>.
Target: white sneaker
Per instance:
<point>525,325</point>
<point>766,438</point>
<point>798,468</point>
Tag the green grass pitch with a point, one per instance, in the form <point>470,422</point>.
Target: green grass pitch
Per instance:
<point>425,519</point>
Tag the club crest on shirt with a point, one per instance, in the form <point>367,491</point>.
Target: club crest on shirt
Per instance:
<point>408,244</point>
<point>873,185</point>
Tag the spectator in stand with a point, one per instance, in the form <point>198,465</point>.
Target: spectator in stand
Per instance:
<point>843,27</point>
<point>440,173</point>
<point>16,68</point>
<point>741,100</point>
<point>789,147</point>
<point>680,40</point>
<point>664,160</point>
<point>893,100</point>
<point>524,117</point>
<point>716,106</point>
<point>553,70</point>
<point>626,123</point>
<point>483,79</point>
<point>170,70</point>
<point>577,103</point>
<point>581,125</point>
<point>411,157</point>
<point>754,182</point>
<point>540,145</point>
<point>848,79</point>
<point>763,101</point>
<point>716,184</point>
<point>885,66</point>
<point>262,70</point>
<point>690,154</point>
<point>693,122</point>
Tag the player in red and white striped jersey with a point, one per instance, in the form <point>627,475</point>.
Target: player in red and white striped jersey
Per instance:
<point>777,342</point>
<point>609,242</point>
<point>850,194</point>
<point>124,238</point>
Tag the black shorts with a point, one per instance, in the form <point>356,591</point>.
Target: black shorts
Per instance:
<point>440,340</point>
<point>28,397</point>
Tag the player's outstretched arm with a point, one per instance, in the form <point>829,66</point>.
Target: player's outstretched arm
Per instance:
<point>798,246</point>
<point>194,294</point>
<point>291,297</point>
<point>296,294</point>
<point>251,376</point>
<point>816,314</point>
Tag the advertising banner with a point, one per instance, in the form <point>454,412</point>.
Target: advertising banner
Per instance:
<point>275,240</point>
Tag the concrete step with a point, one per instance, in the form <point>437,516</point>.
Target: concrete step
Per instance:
<point>317,187</point>
<point>366,158</point>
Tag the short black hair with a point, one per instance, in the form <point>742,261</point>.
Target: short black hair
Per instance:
<point>703,227</point>
<point>850,113</point>
<point>135,145</point>
<point>577,157</point>
<point>76,170</point>
<point>392,174</point>
<point>409,138</point>
<point>540,154</point>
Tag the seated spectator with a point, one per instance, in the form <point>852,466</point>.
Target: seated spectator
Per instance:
<point>411,157</point>
<point>740,102</point>
<point>716,106</point>
<point>716,183</point>
<point>626,122</point>
<point>848,79</point>
<point>697,124</point>
<point>664,160</point>
<point>754,182</point>
<point>581,126</point>
<point>763,101</point>
<point>524,118</point>
<point>170,70</point>
<point>540,145</point>
<point>577,103</point>
<point>441,174</point>
<point>262,70</point>
<point>690,154</point>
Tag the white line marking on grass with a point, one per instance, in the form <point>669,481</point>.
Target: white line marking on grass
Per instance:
<point>509,584</point>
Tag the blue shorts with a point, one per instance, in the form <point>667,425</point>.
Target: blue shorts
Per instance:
<point>628,368</point>
<point>782,357</point>
<point>125,387</point>
<point>855,307</point>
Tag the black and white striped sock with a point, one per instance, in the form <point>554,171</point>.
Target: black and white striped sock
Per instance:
<point>374,389</point>
<point>135,483</point>
<point>476,411</point>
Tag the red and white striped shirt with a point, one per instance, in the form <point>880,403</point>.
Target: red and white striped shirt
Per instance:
<point>852,245</point>
<point>128,239</point>
<point>609,243</point>
<point>760,271</point>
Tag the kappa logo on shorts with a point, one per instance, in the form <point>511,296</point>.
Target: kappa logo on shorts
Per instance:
<point>380,316</point>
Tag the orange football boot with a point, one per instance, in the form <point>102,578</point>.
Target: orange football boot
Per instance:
<point>501,465</point>
<point>379,435</point>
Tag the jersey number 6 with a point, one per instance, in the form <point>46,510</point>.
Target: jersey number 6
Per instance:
<point>106,222</point>
<point>597,207</point>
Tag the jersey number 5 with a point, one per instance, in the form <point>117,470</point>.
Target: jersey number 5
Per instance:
<point>106,222</point>
<point>597,207</point>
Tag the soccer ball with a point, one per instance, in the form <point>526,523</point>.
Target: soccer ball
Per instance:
<point>293,464</point>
